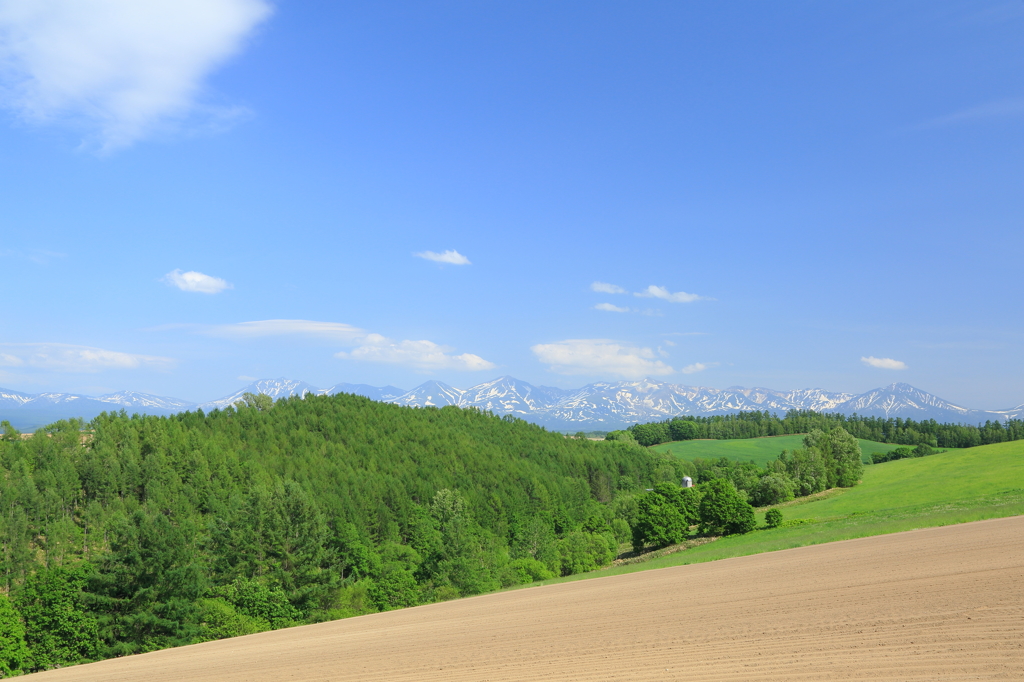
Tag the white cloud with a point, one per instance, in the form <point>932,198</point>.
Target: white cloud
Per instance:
<point>120,68</point>
<point>246,378</point>
<point>70,358</point>
<point>1007,108</point>
<point>663,293</point>
<point>610,308</point>
<point>884,363</point>
<point>331,331</point>
<point>366,346</point>
<point>600,356</point>
<point>450,257</point>
<point>421,355</point>
<point>605,288</point>
<point>10,360</point>
<point>196,282</point>
<point>695,367</point>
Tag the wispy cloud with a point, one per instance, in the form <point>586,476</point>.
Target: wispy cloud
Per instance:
<point>196,282</point>
<point>600,356</point>
<point>451,257</point>
<point>654,291</point>
<point>331,331</point>
<point>1005,108</point>
<point>64,357</point>
<point>605,288</point>
<point>420,355</point>
<point>611,308</point>
<point>38,256</point>
<point>119,68</point>
<point>10,360</point>
<point>883,363</point>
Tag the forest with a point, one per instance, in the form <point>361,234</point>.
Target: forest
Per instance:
<point>134,533</point>
<point>883,430</point>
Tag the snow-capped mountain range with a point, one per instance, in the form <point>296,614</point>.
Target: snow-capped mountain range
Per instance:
<point>600,406</point>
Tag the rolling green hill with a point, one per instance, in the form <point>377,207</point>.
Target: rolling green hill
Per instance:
<point>970,484</point>
<point>139,533</point>
<point>759,450</point>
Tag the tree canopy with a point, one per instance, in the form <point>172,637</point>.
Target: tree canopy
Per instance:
<point>133,533</point>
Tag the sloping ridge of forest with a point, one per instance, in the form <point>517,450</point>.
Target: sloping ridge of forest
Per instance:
<point>148,532</point>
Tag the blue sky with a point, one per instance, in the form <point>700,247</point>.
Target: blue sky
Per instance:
<point>785,195</point>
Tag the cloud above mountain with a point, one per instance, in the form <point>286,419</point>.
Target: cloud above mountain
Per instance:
<point>883,363</point>
<point>119,69</point>
<point>600,356</point>
<point>63,357</point>
<point>420,355</point>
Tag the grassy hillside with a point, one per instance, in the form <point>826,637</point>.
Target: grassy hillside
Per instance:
<point>955,487</point>
<point>759,450</point>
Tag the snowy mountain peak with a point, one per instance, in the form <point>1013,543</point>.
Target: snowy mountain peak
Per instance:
<point>431,393</point>
<point>135,399</point>
<point>601,405</point>
<point>275,388</point>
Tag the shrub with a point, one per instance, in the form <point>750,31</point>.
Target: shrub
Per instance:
<point>773,489</point>
<point>259,601</point>
<point>621,530</point>
<point>773,518</point>
<point>219,619</point>
<point>528,570</point>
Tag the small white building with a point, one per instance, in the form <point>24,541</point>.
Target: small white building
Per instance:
<point>687,482</point>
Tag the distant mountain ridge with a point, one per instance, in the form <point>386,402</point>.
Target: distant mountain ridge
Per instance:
<point>598,406</point>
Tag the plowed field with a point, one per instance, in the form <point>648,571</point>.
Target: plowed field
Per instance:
<point>934,604</point>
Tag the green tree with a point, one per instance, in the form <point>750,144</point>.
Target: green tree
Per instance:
<point>659,521</point>
<point>772,488</point>
<point>773,518</point>
<point>258,401</point>
<point>683,429</point>
<point>58,629</point>
<point>14,653</point>
<point>723,510</point>
<point>11,434</point>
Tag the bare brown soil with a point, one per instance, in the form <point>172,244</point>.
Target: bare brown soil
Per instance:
<point>934,604</point>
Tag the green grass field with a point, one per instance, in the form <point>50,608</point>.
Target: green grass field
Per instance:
<point>760,450</point>
<point>971,484</point>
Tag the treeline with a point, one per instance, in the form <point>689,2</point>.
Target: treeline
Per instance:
<point>132,534</point>
<point>884,430</point>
